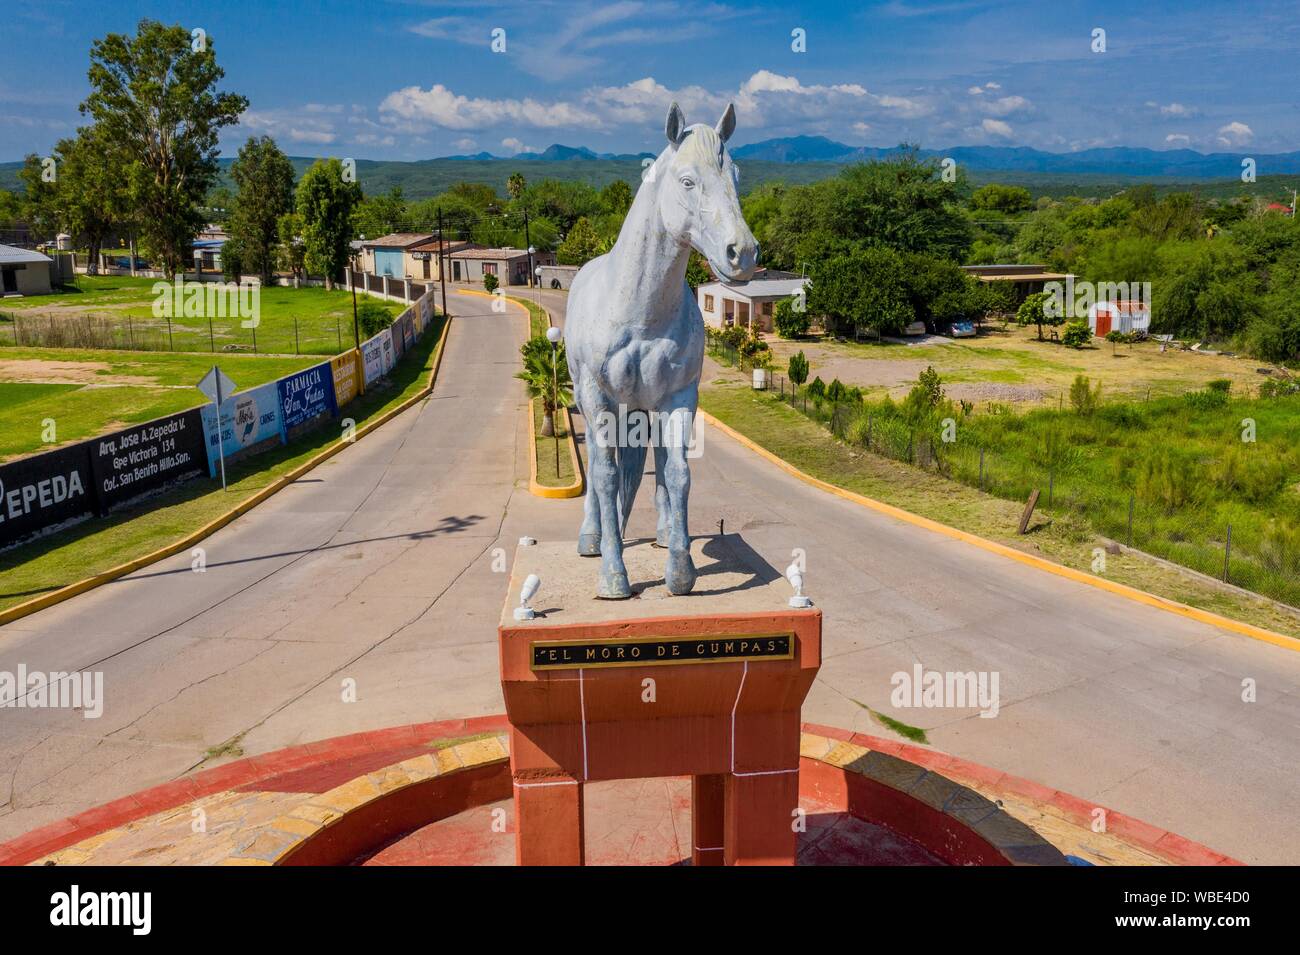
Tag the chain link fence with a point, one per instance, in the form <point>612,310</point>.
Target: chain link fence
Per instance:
<point>1252,548</point>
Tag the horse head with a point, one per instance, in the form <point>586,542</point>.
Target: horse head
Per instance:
<point>697,196</point>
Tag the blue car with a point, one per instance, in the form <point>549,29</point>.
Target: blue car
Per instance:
<point>962,329</point>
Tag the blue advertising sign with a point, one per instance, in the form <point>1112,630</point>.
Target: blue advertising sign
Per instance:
<point>247,419</point>
<point>307,395</point>
<point>372,356</point>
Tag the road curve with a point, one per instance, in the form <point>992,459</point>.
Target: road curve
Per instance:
<point>383,570</point>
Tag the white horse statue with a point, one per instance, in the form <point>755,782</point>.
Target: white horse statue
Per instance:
<point>635,342</point>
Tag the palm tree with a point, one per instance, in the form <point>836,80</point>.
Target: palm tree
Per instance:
<point>547,379</point>
<point>516,184</point>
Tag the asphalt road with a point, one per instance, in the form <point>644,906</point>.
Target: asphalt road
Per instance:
<point>384,570</point>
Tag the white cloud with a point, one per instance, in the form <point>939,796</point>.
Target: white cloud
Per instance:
<point>1235,134</point>
<point>1178,139</point>
<point>992,86</point>
<point>996,127</point>
<point>439,106</point>
<point>1176,110</point>
<point>517,146</point>
<point>465,143</point>
<point>1005,105</point>
<point>304,125</point>
<point>765,99</point>
<point>976,91</point>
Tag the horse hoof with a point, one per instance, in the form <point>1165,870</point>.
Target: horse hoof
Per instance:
<point>613,587</point>
<point>588,545</point>
<point>661,540</point>
<point>680,574</point>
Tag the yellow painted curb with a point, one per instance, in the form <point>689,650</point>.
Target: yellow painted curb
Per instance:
<point>1060,570</point>
<point>541,490</point>
<point>131,566</point>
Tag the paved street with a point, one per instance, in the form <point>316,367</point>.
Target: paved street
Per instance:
<point>385,566</point>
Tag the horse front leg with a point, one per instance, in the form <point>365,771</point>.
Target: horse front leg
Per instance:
<point>680,573</point>
<point>589,534</point>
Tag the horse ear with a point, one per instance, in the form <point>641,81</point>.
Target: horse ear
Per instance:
<point>727,125</point>
<point>675,125</point>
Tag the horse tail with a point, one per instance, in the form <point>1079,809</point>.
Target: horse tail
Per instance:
<point>631,464</point>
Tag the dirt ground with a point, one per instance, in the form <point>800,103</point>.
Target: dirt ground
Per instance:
<point>1011,366</point>
<point>53,372</point>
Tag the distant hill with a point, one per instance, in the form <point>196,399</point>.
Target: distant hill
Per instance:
<point>1124,161</point>
<point>802,159</point>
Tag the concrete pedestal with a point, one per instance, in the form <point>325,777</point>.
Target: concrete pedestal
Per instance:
<point>708,685</point>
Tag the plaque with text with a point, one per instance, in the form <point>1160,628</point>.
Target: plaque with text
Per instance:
<point>660,651</point>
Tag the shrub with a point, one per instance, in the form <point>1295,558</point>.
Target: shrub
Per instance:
<point>817,389</point>
<point>490,281</point>
<point>372,318</point>
<point>1165,477</point>
<point>1278,387</point>
<point>1207,400</point>
<point>1076,335</point>
<point>1219,384</point>
<point>1084,399</point>
<point>798,368</point>
<point>836,391</point>
<point>789,322</point>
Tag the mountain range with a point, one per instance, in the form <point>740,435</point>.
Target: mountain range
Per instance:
<point>1114,161</point>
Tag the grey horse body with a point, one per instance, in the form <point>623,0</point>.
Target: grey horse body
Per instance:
<point>635,343</point>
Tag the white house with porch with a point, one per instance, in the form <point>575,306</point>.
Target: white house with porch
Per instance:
<point>750,304</point>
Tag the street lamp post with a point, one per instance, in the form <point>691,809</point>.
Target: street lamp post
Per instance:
<point>553,336</point>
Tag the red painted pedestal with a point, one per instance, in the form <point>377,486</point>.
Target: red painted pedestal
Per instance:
<point>708,685</point>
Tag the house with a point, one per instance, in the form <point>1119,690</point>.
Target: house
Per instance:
<point>1122,316</point>
<point>427,257</point>
<point>1028,279</point>
<point>510,266</point>
<point>751,304</point>
<point>24,272</point>
<point>391,254</point>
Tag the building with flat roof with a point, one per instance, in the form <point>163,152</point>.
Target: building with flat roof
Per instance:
<point>1028,279</point>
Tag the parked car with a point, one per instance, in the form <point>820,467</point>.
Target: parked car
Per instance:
<point>962,329</point>
<point>916,328</point>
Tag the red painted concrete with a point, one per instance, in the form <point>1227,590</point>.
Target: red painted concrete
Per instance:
<point>642,822</point>
<point>334,761</point>
<point>739,720</point>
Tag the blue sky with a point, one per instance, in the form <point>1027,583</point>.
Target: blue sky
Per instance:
<point>415,80</point>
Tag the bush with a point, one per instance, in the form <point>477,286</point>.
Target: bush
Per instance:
<point>372,318</point>
<point>798,368</point>
<point>1278,387</point>
<point>1076,335</point>
<point>1220,384</point>
<point>1167,478</point>
<point>1084,399</point>
<point>490,282</point>
<point>789,322</point>
<point>817,389</point>
<point>1207,400</point>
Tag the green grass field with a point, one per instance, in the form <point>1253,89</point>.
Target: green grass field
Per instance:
<point>1064,537</point>
<point>118,312</point>
<point>87,392</point>
<point>96,545</point>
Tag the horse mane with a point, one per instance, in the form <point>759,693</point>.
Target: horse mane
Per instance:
<point>702,143</point>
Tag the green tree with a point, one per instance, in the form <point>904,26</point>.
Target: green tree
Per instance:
<point>998,198</point>
<point>1034,310</point>
<point>290,249</point>
<point>789,321</point>
<point>372,318</point>
<point>1076,334</point>
<point>40,207</point>
<point>516,185</point>
<point>617,198</point>
<point>546,373</point>
<point>580,245</point>
<point>490,282</point>
<point>324,205</point>
<point>155,97</point>
<point>381,214</point>
<point>1084,398</point>
<point>864,289</point>
<point>89,195</point>
<point>697,270</point>
<point>264,177</point>
<point>798,368</point>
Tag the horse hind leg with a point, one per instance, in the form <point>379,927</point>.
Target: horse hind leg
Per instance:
<point>663,504</point>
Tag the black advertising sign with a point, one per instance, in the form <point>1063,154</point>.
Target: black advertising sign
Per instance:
<point>660,651</point>
<point>39,492</point>
<point>147,456</point>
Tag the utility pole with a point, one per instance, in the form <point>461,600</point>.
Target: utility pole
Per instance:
<point>442,263</point>
<point>528,244</point>
<point>356,328</point>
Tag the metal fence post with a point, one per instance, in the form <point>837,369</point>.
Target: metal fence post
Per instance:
<point>1227,554</point>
